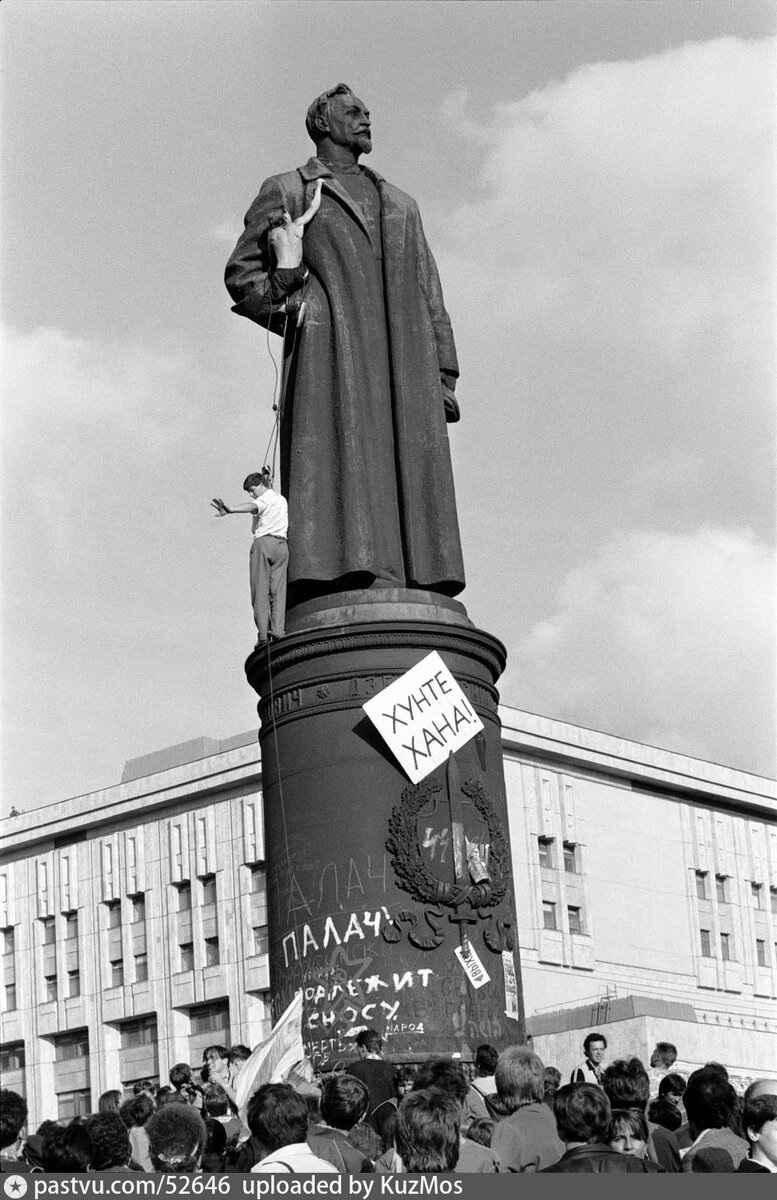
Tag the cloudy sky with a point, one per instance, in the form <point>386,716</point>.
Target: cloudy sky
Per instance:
<point>597,184</point>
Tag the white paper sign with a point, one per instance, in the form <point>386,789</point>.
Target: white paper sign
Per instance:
<point>473,967</point>
<point>423,716</point>
<point>511,985</point>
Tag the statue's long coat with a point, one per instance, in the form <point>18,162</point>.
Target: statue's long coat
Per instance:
<point>365,462</point>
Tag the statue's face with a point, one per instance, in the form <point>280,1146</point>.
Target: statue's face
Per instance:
<point>349,123</point>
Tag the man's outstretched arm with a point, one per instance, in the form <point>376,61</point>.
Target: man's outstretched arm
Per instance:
<point>224,510</point>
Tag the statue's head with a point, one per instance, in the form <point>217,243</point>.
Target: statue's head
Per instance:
<point>341,117</point>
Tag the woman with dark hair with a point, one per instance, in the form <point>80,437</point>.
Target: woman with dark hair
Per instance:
<point>628,1132</point>
<point>66,1151</point>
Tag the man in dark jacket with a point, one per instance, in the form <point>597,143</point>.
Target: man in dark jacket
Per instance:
<point>526,1140</point>
<point>583,1115</point>
<point>369,375</point>
<point>344,1103</point>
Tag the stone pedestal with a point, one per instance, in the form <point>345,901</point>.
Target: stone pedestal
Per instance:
<point>365,913</point>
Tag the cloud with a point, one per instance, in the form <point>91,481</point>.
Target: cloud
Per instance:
<point>667,639</point>
<point>611,275</point>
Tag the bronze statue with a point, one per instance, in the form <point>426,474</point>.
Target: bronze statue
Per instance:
<point>370,375</point>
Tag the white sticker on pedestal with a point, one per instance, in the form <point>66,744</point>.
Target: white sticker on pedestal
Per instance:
<point>511,985</point>
<point>423,717</point>
<point>473,967</point>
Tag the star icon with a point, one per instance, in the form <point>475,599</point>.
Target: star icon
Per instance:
<point>15,1185</point>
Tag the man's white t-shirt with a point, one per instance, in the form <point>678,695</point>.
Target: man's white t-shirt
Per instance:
<point>271,516</point>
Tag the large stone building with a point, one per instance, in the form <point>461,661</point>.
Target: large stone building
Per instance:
<point>134,920</point>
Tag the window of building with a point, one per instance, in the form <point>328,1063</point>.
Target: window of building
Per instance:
<point>74,1104</point>
<point>50,987</point>
<point>71,925</point>
<point>187,956</point>
<point>549,915</point>
<point>261,941</point>
<point>573,915</point>
<point>725,947</point>
<point>210,1018</point>
<point>570,858</point>
<point>138,908</point>
<point>10,997</point>
<point>760,952</point>
<point>114,913</point>
<point>545,851</point>
<point>9,940</point>
<point>48,931</point>
<point>12,1058</point>
<point>701,885</point>
<point>211,952</point>
<point>184,896</point>
<point>117,972</point>
<point>73,984</point>
<point>706,943</point>
<point>757,893</point>
<point>208,890</point>
<point>257,879</point>
<point>141,968</point>
<point>773,899</point>
<point>71,1045</point>
<point>720,889</point>
<point>140,1032</point>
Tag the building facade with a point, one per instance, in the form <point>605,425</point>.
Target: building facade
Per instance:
<point>134,920</point>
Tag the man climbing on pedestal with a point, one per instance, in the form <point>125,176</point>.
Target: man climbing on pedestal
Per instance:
<point>269,552</point>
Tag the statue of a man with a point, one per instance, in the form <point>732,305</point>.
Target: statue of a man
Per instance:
<point>370,374</point>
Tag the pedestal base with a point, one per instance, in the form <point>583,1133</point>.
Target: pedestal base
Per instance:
<point>364,914</point>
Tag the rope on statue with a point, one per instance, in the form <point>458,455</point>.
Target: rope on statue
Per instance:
<point>270,457</point>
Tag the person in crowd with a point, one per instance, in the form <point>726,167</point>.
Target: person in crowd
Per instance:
<point>176,1139</point>
<point>164,1094</point>
<point>135,1114</point>
<point>550,1084</point>
<point>583,1117</point>
<point>67,1150</point>
<point>627,1086</point>
<point>111,1150</point>
<point>709,1101</point>
<point>214,1154</point>
<point>481,1131</point>
<point>278,1119</point>
<point>238,1055</point>
<point>344,1103</point>
<point>187,1090</point>
<point>590,1069</point>
<point>33,1147</point>
<point>482,1089</point>
<point>447,1075</point>
<point>759,1117</point>
<point>13,1115</point>
<point>628,1132</point>
<point>662,1112</point>
<point>428,1134</point>
<point>144,1087</point>
<point>215,1104</point>
<point>369,1143</point>
<point>662,1060</point>
<point>215,1064</point>
<point>526,1140</point>
<point>403,1080</point>
<point>374,1071</point>
<point>110,1102</point>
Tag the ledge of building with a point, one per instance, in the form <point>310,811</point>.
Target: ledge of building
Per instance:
<point>645,767</point>
<point>603,1012</point>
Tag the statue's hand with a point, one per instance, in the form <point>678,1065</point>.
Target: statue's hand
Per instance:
<point>451,405</point>
<point>220,507</point>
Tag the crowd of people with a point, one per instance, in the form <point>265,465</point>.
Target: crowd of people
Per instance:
<point>504,1112</point>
